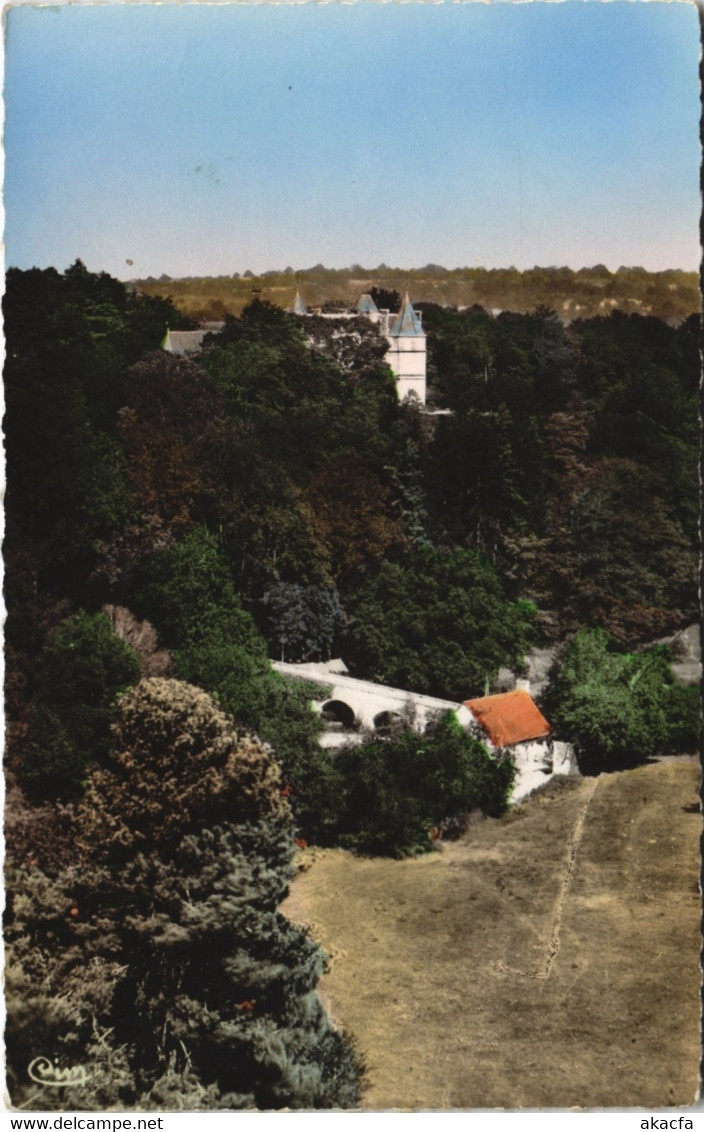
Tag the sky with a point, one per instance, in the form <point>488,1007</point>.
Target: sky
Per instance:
<point>209,139</point>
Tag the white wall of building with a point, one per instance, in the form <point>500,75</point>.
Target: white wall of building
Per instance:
<point>407,358</point>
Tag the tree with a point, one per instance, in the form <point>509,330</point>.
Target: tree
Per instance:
<point>642,377</point>
<point>31,615</point>
<point>302,622</point>
<point>353,514</point>
<point>267,526</point>
<point>142,637</point>
<point>461,355</point>
<point>355,345</point>
<point>613,552</point>
<point>555,359</point>
<point>386,299</point>
<point>171,972</point>
<point>396,791</point>
<point>637,570</point>
<point>70,339</point>
<point>619,708</point>
<point>169,427</point>
<point>82,670</point>
<point>189,593</point>
<point>272,381</point>
<point>438,623</point>
<point>486,478</point>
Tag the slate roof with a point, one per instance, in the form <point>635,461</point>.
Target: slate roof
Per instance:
<point>184,341</point>
<point>407,325</point>
<point>509,718</point>
<point>366,305</point>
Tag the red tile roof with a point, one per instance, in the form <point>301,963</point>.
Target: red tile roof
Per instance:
<point>509,718</point>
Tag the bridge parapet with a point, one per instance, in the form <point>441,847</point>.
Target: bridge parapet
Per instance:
<point>358,704</point>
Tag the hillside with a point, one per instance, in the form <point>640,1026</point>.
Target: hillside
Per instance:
<point>591,291</point>
<point>189,518</point>
<point>550,959</point>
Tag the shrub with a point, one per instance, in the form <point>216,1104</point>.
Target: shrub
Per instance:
<point>395,792</point>
<point>620,708</point>
<point>187,592</point>
<point>683,708</point>
<point>301,621</point>
<point>178,763</point>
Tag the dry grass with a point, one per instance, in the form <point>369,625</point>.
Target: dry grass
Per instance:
<point>550,959</point>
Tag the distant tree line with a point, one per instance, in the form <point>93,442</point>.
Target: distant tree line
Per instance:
<point>586,293</point>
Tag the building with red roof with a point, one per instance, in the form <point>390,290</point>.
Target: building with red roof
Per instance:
<point>513,722</point>
<point>509,718</point>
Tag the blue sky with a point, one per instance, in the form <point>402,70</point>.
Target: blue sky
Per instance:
<point>209,139</point>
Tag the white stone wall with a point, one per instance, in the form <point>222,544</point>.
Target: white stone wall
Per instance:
<point>564,760</point>
<point>537,751</point>
<point>539,761</point>
<point>536,761</point>
<point>407,358</point>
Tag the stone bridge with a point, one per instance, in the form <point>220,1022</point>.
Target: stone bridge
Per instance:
<point>348,705</point>
<point>351,707</point>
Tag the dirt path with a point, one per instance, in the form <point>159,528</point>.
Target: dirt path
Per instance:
<point>551,959</point>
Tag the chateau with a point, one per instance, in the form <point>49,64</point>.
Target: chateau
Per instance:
<point>407,353</point>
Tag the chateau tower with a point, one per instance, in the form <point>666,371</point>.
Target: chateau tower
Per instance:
<point>407,354</point>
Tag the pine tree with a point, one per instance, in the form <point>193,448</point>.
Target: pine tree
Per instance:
<point>181,971</point>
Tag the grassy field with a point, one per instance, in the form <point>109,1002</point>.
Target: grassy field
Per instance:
<point>550,959</point>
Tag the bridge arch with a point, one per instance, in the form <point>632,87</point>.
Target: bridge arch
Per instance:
<point>337,711</point>
<point>383,720</point>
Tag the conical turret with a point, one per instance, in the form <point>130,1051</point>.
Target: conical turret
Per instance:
<point>366,305</point>
<point>408,323</point>
<point>299,307</point>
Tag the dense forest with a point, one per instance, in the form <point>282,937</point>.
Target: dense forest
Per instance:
<point>172,524</point>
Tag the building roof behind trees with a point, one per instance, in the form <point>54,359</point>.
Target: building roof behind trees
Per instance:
<point>184,341</point>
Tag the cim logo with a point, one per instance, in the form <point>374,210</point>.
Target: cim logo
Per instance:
<point>47,1072</point>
